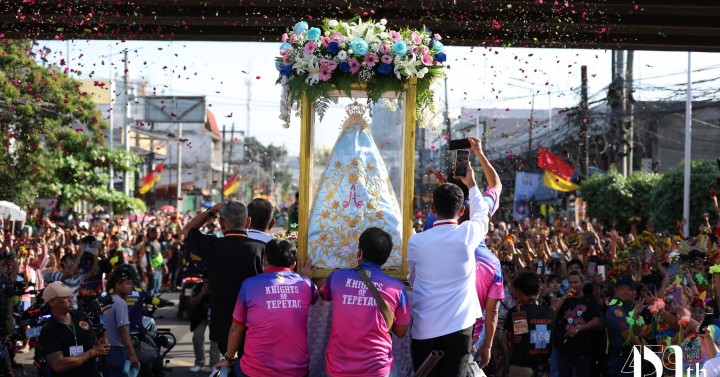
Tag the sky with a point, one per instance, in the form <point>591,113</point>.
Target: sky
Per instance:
<point>477,78</point>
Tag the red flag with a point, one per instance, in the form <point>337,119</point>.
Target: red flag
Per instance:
<point>551,162</point>
<point>230,182</point>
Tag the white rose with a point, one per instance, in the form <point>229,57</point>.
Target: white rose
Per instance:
<point>342,56</point>
<point>333,23</point>
<point>383,22</point>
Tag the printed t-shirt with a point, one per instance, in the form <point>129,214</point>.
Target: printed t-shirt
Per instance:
<point>531,349</point>
<point>360,342</point>
<point>575,312</point>
<point>616,322</point>
<point>274,306</point>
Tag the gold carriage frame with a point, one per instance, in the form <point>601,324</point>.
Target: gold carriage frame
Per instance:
<point>307,132</point>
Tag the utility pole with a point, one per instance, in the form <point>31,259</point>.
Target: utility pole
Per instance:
<point>448,158</point>
<point>532,120</point>
<point>630,108</point>
<point>585,127</point>
<point>222,166</point>
<point>248,84</point>
<point>126,129</point>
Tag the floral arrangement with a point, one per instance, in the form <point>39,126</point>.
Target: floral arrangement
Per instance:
<point>316,61</point>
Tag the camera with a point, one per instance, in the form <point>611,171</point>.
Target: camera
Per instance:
<point>94,314</point>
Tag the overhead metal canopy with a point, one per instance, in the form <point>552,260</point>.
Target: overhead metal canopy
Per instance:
<point>613,24</point>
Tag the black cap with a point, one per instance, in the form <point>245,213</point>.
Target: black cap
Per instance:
<point>626,280</point>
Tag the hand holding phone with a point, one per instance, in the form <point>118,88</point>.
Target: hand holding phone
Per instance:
<point>459,144</point>
<point>591,269</point>
<point>601,272</point>
<point>462,158</point>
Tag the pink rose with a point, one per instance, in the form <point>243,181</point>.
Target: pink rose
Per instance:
<point>309,47</point>
<point>395,36</point>
<point>371,60</point>
<point>384,49</point>
<point>286,55</point>
<point>416,38</point>
<point>424,50</point>
<point>328,64</point>
<point>284,37</point>
<point>325,41</point>
<point>427,59</point>
<point>337,37</point>
<point>293,38</point>
<point>414,49</point>
<point>354,65</point>
<point>437,37</point>
<point>387,59</point>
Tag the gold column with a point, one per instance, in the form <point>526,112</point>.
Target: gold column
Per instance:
<point>306,164</point>
<point>409,169</point>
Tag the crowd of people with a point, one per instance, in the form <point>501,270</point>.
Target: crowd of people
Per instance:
<point>538,297</point>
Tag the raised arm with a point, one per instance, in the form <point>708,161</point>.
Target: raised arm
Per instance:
<point>490,174</point>
<point>201,218</point>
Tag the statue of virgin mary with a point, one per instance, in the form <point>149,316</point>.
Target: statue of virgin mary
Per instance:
<point>354,193</point>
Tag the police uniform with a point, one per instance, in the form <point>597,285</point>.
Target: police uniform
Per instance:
<point>616,321</point>
<point>71,340</point>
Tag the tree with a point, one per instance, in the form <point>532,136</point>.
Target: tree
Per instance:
<point>641,186</point>
<point>609,197</point>
<point>52,135</point>
<point>667,195</point>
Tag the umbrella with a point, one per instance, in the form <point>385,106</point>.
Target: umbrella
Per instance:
<point>11,211</point>
<point>167,208</point>
<point>208,204</point>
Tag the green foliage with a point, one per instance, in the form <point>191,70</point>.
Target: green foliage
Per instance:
<point>641,185</point>
<point>52,136</point>
<point>667,195</point>
<point>609,197</point>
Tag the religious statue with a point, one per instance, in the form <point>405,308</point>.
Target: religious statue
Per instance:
<point>354,193</point>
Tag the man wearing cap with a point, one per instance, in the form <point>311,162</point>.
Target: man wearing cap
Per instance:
<point>618,328</point>
<point>67,342</point>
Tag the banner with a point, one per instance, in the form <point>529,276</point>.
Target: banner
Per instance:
<point>525,185</point>
<point>551,162</point>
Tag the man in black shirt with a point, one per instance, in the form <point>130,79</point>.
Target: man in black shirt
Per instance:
<point>67,342</point>
<point>229,261</point>
<point>528,327</point>
<point>576,314</point>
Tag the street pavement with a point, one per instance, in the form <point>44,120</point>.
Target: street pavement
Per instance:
<point>181,357</point>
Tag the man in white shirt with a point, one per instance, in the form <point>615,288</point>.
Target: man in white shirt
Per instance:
<point>260,212</point>
<point>441,266</point>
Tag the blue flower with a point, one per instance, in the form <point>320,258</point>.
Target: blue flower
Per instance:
<point>400,48</point>
<point>285,46</point>
<point>300,27</point>
<point>333,47</point>
<point>313,34</point>
<point>345,67</point>
<point>286,70</point>
<point>438,46</point>
<point>359,46</point>
<point>384,69</point>
<point>441,57</point>
<point>278,65</point>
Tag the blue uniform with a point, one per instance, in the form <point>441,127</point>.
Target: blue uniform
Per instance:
<point>616,321</point>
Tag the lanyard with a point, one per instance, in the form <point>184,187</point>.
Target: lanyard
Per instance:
<point>73,331</point>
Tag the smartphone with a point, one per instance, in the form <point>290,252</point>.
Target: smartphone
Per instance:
<point>462,158</point>
<point>541,267</point>
<point>601,271</point>
<point>459,144</point>
<point>591,269</point>
<point>672,272</point>
<point>677,296</point>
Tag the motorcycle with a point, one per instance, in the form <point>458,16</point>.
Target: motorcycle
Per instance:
<point>189,281</point>
<point>153,344</point>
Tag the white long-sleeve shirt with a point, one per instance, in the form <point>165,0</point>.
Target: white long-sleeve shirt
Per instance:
<point>441,267</point>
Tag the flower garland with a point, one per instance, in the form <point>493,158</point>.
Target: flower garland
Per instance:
<point>317,61</point>
<point>714,269</point>
<point>657,306</point>
<point>640,321</point>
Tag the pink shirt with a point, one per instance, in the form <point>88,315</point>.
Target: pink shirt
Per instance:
<point>360,343</point>
<point>274,306</point>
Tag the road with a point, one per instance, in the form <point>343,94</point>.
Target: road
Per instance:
<point>181,357</point>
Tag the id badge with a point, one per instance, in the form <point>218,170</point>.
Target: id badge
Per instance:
<point>76,351</point>
<point>520,323</point>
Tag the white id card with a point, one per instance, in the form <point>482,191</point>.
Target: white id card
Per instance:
<point>76,350</point>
